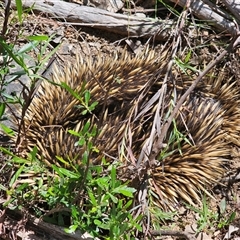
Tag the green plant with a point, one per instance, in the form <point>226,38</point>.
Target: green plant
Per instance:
<point>224,218</point>
<point>106,200</point>
<point>106,208</point>
<point>185,65</point>
<point>172,10</point>
<point>28,176</point>
<point>26,61</point>
<point>176,138</point>
<point>208,218</point>
<point>157,214</point>
<point>18,63</point>
<point>83,97</point>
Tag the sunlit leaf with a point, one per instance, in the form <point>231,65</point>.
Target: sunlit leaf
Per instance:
<point>2,109</point>
<point>19,9</point>
<point>16,175</point>
<point>7,130</point>
<point>124,190</point>
<point>38,38</point>
<point>87,97</point>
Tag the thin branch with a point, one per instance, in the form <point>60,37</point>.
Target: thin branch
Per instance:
<point>173,233</point>
<point>6,17</point>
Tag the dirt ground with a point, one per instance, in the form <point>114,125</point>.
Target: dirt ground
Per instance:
<point>86,40</point>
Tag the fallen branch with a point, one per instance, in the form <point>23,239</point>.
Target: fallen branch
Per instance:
<point>180,234</point>
<point>75,14</point>
<point>38,226</point>
<point>132,26</point>
<point>211,13</point>
<point>234,7</point>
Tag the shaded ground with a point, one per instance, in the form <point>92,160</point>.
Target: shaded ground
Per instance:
<point>91,41</point>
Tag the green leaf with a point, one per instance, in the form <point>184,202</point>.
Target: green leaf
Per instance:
<point>95,149</point>
<point>85,157</point>
<point>2,109</point>
<point>8,202</point>
<point>3,188</point>
<point>22,187</point>
<point>114,199</point>
<point>223,205</point>
<point>28,47</point>
<point>16,175</point>
<point>232,217</point>
<point>101,225</point>
<point>17,74</point>
<point>75,211</point>
<point>87,97</point>
<point>103,182</point>
<point>84,112</point>
<point>33,153</point>
<point>97,222</point>
<point>18,160</point>
<point>62,160</point>
<point>71,229</point>
<point>122,216</point>
<point>92,198</point>
<point>93,105</point>
<point>79,106</point>
<point>68,173</point>
<point>69,89</point>
<point>7,130</point>
<point>86,127</point>
<point>13,55</point>
<point>74,133</point>
<point>50,54</point>
<point>38,38</point>
<point>56,169</point>
<point>40,183</point>
<point>128,204</point>
<point>187,58</point>
<point>124,190</point>
<point>19,10</point>
<point>10,98</point>
<point>113,176</point>
<point>81,141</point>
<point>8,152</point>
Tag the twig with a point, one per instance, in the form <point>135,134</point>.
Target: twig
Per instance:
<point>6,17</point>
<point>75,14</point>
<point>41,227</point>
<point>173,233</point>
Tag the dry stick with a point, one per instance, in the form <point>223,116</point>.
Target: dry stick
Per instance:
<point>41,227</point>
<point>6,17</point>
<point>148,145</point>
<point>159,143</point>
<point>180,234</point>
<point>160,107</point>
<point>4,30</point>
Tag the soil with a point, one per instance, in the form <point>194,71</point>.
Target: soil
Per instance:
<point>86,40</point>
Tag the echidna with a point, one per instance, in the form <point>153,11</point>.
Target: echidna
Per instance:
<point>209,118</point>
<point>111,83</point>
